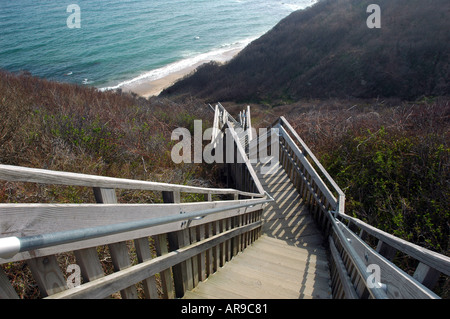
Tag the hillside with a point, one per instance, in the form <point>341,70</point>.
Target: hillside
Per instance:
<point>390,157</point>
<point>72,128</point>
<point>328,51</point>
<point>345,88</point>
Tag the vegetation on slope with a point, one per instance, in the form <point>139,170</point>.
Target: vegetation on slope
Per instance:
<point>391,159</point>
<point>78,129</point>
<point>72,128</point>
<point>328,51</point>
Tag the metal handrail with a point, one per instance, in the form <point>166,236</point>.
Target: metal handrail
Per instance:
<point>10,246</point>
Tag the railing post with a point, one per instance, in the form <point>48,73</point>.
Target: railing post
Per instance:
<point>118,251</point>
<point>161,244</point>
<point>143,253</point>
<point>182,273</point>
<point>47,274</point>
<point>426,275</point>
<point>202,257</point>
<point>385,250</point>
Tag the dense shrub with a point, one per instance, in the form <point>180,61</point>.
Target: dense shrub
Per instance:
<point>391,160</point>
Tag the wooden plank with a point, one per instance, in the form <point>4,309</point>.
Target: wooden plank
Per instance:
<point>434,260</point>
<point>195,260</point>
<point>87,258</point>
<point>290,245</point>
<point>399,284</point>
<point>223,245</point>
<point>385,250</point>
<point>162,245</point>
<point>143,253</point>
<point>256,274</point>
<point>216,250</point>
<point>118,251</point>
<point>209,252</point>
<point>177,240</point>
<point>291,227</point>
<point>286,209</point>
<point>35,219</point>
<point>206,291</point>
<point>298,274</point>
<point>293,263</point>
<point>344,279</point>
<point>89,263</point>
<point>202,256</point>
<point>34,175</point>
<point>48,275</point>
<point>316,179</point>
<point>121,260</point>
<point>6,289</point>
<point>105,286</point>
<point>186,241</point>
<point>279,187</point>
<point>229,243</point>
<point>246,161</point>
<point>285,124</point>
<point>426,275</point>
<point>249,287</point>
<point>283,286</point>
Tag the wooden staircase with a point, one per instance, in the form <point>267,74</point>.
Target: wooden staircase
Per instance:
<point>278,232</point>
<point>287,262</point>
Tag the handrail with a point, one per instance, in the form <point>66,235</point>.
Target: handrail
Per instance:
<point>247,163</point>
<point>282,122</point>
<point>37,233</point>
<point>231,118</point>
<point>333,201</point>
<point>440,262</point>
<point>375,290</point>
<point>43,176</point>
<point>319,192</point>
<point>9,246</point>
<point>437,261</point>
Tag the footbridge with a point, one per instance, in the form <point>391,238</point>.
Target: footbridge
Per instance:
<point>279,230</point>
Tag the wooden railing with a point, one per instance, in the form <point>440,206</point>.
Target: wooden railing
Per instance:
<point>237,166</point>
<point>357,269</point>
<point>180,244</point>
<point>166,258</point>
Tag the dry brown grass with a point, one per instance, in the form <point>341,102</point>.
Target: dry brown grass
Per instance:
<point>70,128</point>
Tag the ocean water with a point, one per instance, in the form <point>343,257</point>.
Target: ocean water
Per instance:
<point>121,41</point>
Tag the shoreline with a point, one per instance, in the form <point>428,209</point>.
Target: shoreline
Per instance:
<point>153,87</point>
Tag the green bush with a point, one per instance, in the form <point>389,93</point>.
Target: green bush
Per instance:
<point>397,183</point>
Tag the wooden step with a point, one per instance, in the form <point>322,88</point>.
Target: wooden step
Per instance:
<point>288,261</point>
<point>270,269</point>
<point>285,229</point>
<point>291,246</point>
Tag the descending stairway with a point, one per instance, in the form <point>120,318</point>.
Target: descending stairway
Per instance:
<point>263,243</point>
<point>287,262</point>
<point>287,218</point>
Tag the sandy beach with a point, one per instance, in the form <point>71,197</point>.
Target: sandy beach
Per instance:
<point>152,87</point>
